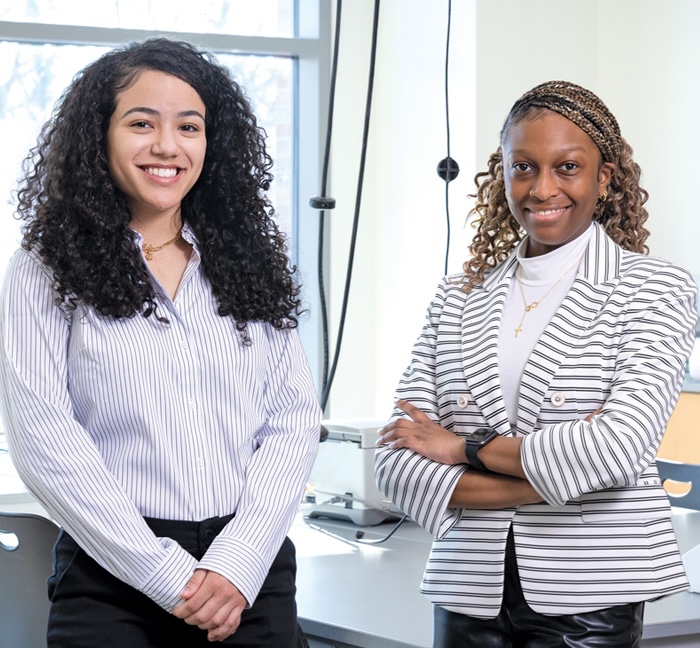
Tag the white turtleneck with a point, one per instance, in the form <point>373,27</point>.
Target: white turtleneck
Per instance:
<point>554,272</point>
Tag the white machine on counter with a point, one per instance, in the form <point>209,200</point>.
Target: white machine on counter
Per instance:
<point>342,484</point>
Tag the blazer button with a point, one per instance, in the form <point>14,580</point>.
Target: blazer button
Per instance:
<point>463,401</point>
<point>557,399</point>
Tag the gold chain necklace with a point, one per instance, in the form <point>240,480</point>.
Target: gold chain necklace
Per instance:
<point>148,249</point>
<point>536,303</point>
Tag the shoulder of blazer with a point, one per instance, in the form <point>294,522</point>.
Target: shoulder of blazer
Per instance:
<point>643,265</point>
<point>606,261</point>
<point>451,288</point>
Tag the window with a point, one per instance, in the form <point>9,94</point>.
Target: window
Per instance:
<point>273,18</point>
<point>275,49</point>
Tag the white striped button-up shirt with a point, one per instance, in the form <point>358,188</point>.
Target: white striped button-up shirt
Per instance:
<point>110,420</point>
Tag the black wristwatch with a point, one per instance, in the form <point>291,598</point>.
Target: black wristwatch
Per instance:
<point>474,442</point>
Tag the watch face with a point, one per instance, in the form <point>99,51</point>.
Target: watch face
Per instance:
<point>481,435</point>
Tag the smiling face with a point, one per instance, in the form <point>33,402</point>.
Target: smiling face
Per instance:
<point>156,144</point>
<point>554,174</point>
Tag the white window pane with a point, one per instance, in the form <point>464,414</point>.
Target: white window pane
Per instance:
<point>269,84</point>
<point>32,78</point>
<point>272,18</point>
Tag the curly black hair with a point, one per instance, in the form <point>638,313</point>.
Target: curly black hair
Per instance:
<point>78,220</point>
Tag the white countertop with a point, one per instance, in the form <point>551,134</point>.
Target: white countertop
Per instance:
<point>358,594</point>
<point>14,495</point>
<point>12,490</point>
<point>367,595</point>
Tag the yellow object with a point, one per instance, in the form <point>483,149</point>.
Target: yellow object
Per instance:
<point>681,441</point>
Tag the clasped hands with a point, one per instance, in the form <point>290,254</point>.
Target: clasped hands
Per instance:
<point>212,603</point>
<point>422,435</point>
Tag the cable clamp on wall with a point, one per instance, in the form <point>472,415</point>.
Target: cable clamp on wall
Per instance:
<point>448,169</point>
<point>322,202</point>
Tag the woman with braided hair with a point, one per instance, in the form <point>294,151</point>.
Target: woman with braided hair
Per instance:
<point>156,396</point>
<point>527,422</point>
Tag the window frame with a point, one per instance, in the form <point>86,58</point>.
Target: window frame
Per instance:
<point>310,51</point>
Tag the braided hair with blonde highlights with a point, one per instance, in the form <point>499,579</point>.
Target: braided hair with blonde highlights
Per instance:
<point>621,212</point>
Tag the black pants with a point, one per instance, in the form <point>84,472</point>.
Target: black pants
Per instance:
<point>518,626</point>
<point>90,608</point>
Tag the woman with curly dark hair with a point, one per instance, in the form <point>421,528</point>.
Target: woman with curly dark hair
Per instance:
<point>538,392</point>
<point>157,399</point>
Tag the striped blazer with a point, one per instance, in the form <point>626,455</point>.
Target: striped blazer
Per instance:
<point>603,536</point>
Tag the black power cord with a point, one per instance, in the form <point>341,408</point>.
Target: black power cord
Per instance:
<point>323,202</point>
<point>447,168</point>
<point>359,535</point>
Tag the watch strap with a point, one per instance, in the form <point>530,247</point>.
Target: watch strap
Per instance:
<point>474,442</point>
<point>471,451</point>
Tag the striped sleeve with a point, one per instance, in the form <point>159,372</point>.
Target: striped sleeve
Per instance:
<point>655,336</point>
<point>53,453</point>
<point>278,472</point>
<point>418,486</point>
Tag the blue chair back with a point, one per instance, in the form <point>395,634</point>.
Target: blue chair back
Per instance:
<point>683,473</point>
<point>26,542</point>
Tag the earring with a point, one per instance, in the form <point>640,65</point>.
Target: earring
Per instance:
<point>604,197</point>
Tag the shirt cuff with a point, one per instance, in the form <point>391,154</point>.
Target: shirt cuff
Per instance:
<point>166,585</point>
<point>239,563</point>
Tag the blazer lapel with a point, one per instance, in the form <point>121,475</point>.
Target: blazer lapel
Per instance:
<point>596,278</point>
<point>480,325</point>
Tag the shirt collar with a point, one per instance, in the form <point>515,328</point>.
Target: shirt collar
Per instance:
<point>601,260</point>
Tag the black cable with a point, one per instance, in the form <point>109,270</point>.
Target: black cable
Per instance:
<point>324,187</point>
<point>358,200</point>
<point>447,123</point>
<point>359,535</point>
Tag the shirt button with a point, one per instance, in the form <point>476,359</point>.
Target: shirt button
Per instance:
<point>463,401</point>
<point>192,404</point>
<point>557,399</point>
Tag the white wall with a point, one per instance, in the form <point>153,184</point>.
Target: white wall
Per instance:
<point>522,44</point>
<point>641,56</point>
<point>402,231</point>
<point>649,73</point>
